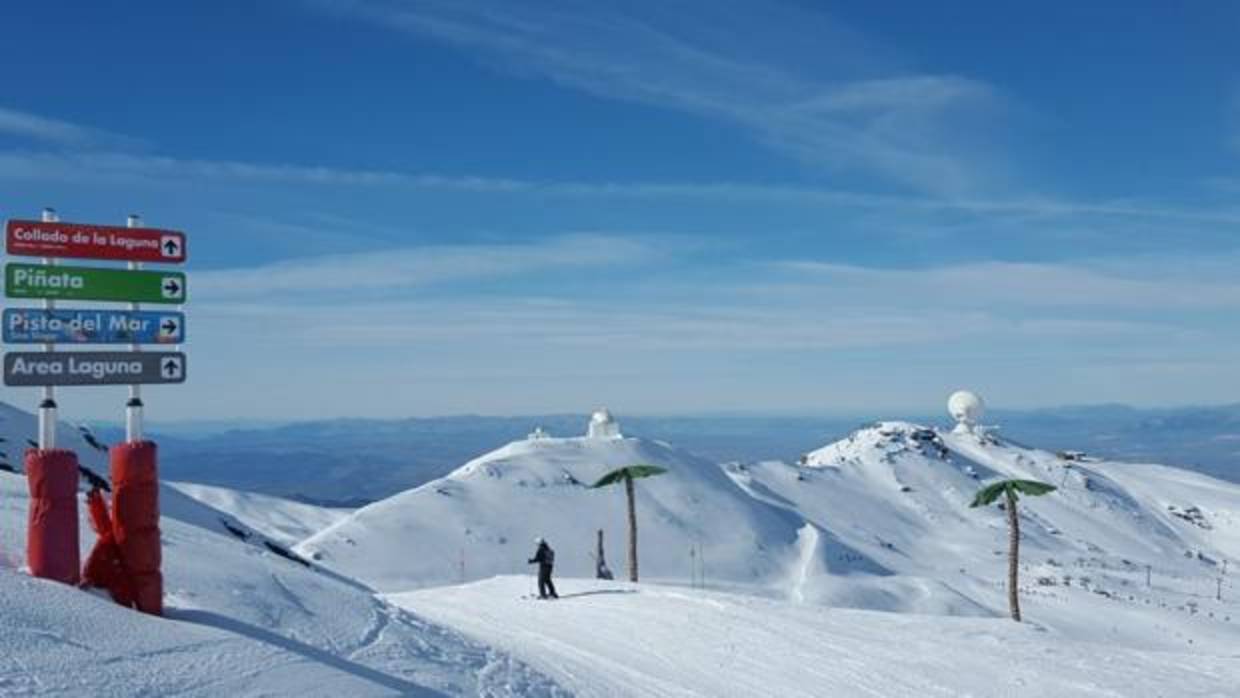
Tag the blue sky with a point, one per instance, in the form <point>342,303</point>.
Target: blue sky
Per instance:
<point>409,208</point>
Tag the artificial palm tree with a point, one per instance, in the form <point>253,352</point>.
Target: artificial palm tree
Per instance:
<point>627,475</point>
<point>1009,489</point>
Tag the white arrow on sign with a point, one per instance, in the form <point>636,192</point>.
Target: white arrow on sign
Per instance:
<point>169,246</point>
<point>169,327</point>
<point>171,287</point>
<point>172,368</point>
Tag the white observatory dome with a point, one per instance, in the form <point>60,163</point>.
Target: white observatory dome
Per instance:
<point>966,408</point>
<point>603,426</point>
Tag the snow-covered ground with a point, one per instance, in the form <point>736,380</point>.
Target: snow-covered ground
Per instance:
<point>283,520</point>
<point>58,641</point>
<point>1123,561</point>
<point>860,571</point>
<point>240,621</point>
<point>612,639</point>
<point>879,521</point>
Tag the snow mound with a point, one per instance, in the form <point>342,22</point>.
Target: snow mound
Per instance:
<point>1141,536</point>
<point>481,519</point>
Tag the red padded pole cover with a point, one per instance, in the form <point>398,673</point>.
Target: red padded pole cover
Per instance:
<point>103,568</point>
<point>52,536</point>
<point>135,520</point>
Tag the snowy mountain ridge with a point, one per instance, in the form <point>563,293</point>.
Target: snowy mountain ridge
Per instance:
<point>485,515</point>
<point>879,520</point>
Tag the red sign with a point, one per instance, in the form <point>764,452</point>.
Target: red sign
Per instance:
<point>81,241</point>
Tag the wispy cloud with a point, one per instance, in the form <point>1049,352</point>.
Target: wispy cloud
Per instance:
<point>804,326</point>
<point>90,167</point>
<point>788,307</point>
<point>397,271</point>
<point>1026,285</point>
<point>838,108</point>
<point>25,125</point>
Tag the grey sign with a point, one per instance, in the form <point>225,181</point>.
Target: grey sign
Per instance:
<point>34,368</point>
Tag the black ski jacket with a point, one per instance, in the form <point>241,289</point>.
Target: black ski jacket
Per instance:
<point>544,556</point>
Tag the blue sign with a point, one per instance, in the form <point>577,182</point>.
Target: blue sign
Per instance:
<point>68,326</point>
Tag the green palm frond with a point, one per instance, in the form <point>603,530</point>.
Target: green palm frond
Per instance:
<point>629,472</point>
<point>988,494</point>
<point>1033,488</point>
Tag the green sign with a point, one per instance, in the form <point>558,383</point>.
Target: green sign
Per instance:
<point>93,284</point>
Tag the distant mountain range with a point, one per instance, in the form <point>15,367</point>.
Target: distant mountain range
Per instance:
<point>351,462</point>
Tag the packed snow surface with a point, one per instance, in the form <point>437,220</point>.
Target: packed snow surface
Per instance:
<point>60,641</point>
<point>609,639</point>
<point>240,620</point>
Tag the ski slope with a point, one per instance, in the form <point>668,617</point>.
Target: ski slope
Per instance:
<point>60,641</point>
<point>240,620</point>
<point>604,639</point>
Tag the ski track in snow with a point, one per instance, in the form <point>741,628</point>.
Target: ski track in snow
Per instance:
<point>807,541</point>
<point>373,633</point>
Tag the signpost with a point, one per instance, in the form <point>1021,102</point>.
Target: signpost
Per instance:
<point>93,284</point>
<point>52,544</point>
<point>70,326</point>
<point>48,325</point>
<point>76,240</point>
<point>39,368</point>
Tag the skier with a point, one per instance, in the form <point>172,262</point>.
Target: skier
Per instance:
<point>545,557</point>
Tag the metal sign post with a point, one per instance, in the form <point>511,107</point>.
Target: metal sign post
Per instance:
<point>52,543</point>
<point>133,407</point>
<point>47,407</point>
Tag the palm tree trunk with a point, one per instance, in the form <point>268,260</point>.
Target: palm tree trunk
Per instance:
<point>628,489</point>
<point>1013,555</point>
<point>600,563</point>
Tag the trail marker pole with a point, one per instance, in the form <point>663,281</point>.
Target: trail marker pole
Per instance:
<point>701,566</point>
<point>692,567</point>
<point>47,407</point>
<point>133,408</point>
